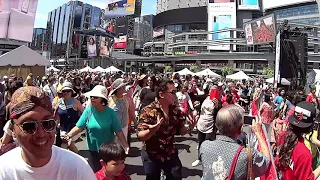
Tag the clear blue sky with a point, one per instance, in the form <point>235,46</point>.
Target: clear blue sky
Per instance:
<point>45,6</point>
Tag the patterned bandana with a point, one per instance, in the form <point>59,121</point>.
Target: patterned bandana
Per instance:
<point>27,98</point>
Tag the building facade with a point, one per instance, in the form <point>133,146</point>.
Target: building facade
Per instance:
<point>63,21</point>
<point>178,32</point>
<point>40,42</point>
<point>305,12</point>
<point>143,30</point>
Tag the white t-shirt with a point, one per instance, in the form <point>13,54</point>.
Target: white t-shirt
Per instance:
<point>63,165</point>
<point>51,91</point>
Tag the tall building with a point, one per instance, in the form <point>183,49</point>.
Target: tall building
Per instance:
<point>143,30</point>
<point>64,20</point>
<point>40,41</point>
<point>295,11</point>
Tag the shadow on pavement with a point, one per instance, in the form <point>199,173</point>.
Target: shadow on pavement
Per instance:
<point>92,158</point>
<point>135,169</point>
<point>179,139</point>
<point>186,172</point>
<point>182,147</point>
<point>134,152</point>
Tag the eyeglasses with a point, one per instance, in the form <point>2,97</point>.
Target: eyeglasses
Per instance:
<point>32,126</point>
<point>94,97</point>
<point>66,91</point>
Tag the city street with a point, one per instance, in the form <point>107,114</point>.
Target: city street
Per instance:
<point>187,147</point>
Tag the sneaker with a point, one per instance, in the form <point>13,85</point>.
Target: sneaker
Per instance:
<point>196,163</point>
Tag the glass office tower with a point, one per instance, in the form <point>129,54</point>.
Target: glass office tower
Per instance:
<point>62,21</point>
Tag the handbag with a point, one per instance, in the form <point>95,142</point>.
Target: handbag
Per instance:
<point>234,163</point>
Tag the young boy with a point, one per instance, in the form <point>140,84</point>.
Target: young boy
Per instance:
<point>112,157</point>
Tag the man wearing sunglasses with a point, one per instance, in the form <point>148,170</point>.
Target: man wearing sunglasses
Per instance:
<point>34,126</point>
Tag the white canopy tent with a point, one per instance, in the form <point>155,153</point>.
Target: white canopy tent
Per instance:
<point>112,69</point>
<point>22,61</point>
<point>184,72</point>
<point>52,68</point>
<point>86,69</point>
<point>208,72</point>
<point>238,76</point>
<point>283,81</point>
<point>99,69</point>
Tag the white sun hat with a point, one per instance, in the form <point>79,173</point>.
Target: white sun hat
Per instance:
<point>98,91</point>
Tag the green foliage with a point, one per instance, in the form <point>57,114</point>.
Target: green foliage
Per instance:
<point>195,69</point>
<point>226,70</point>
<point>168,68</point>
<point>268,72</point>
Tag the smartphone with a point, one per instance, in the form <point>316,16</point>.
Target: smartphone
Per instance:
<point>248,119</point>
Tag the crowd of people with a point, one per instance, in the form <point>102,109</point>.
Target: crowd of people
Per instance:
<point>246,129</point>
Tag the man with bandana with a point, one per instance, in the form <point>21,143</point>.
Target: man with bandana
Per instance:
<point>34,127</point>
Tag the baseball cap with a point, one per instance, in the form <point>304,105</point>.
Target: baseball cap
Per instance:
<point>304,115</point>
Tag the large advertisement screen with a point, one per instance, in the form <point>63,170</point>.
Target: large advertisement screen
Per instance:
<point>120,43</point>
<point>105,47</point>
<point>221,16</point>
<point>260,31</point>
<point>119,8</point>
<point>248,5</point>
<point>92,46</point>
<point>17,19</point>
<point>269,4</point>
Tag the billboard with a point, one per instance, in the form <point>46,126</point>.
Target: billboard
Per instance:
<point>260,31</point>
<point>120,43</point>
<point>269,4</point>
<point>221,16</point>
<point>105,46</point>
<point>158,31</point>
<point>119,8</point>
<point>92,46</point>
<point>248,5</point>
<point>17,19</point>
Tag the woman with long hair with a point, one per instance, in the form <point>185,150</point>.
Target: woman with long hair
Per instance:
<point>266,112</point>
<point>294,159</point>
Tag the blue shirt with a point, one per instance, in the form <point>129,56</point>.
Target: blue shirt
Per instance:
<point>101,126</point>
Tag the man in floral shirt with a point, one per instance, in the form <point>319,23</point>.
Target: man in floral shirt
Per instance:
<point>159,123</point>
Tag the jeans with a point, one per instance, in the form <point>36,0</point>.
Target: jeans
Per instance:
<point>202,137</point>
<point>152,167</point>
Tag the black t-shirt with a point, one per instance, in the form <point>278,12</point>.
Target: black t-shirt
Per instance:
<point>147,96</point>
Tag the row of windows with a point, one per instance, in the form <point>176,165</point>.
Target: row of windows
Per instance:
<point>297,11</point>
<point>310,21</point>
<point>187,27</point>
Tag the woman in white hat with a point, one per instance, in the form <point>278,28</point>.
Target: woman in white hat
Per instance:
<point>101,124</point>
<point>69,110</point>
<point>121,104</point>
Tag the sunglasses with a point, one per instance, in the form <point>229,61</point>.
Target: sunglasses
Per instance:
<point>66,91</point>
<point>32,126</point>
<point>94,97</point>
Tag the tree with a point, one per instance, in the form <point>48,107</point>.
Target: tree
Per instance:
<point>226,70</point>
<point>168,68</point>
<point>195,68</point>
<point>268,72</point>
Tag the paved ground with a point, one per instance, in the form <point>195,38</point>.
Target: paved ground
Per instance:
<point>187,152</point>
